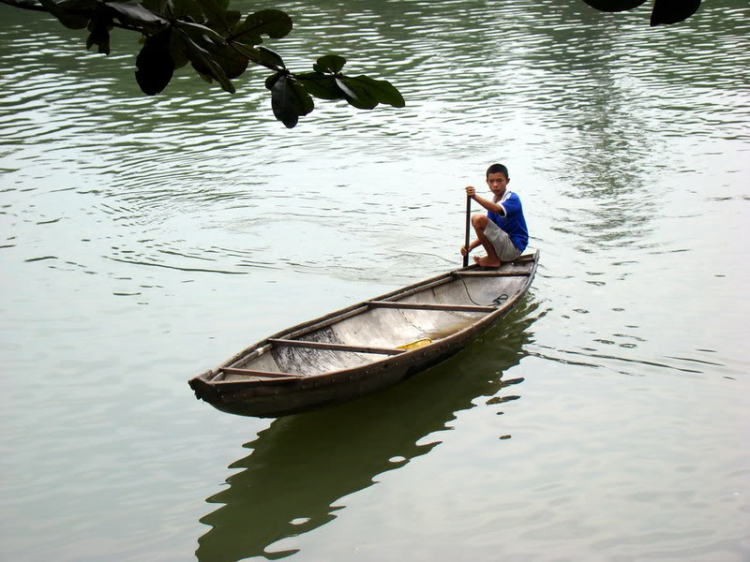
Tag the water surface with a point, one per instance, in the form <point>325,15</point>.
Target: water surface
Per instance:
<point>145,239</point>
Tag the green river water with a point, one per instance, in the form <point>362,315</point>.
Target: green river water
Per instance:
<point>146,239</point>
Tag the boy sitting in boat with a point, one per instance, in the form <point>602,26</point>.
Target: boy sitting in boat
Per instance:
<point>502,232</point>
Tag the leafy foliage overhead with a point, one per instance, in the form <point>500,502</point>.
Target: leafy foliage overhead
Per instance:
<point>663,12</point>
<point>219,44</point>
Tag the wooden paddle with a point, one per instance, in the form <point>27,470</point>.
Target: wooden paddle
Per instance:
<point>468,229</point>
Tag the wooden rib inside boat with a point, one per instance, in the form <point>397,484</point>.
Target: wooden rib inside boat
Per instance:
<point>367,346</point>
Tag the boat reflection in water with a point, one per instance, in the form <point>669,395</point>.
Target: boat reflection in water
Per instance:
<point>300,465</point>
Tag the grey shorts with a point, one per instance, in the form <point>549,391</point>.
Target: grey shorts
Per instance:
<point>500,240</point>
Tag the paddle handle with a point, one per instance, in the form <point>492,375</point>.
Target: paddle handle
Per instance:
<point>468,229</point>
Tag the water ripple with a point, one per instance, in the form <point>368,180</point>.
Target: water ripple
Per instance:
<point>143,237</point>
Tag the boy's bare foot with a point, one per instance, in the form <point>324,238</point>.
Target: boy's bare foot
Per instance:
<point>486,261</point>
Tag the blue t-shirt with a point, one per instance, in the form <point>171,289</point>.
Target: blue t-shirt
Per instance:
<point>512,221</point>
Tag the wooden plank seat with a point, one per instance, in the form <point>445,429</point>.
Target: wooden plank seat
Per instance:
<point>431,306</point>
<point>254,373</point>
<point>337,346</point>
<point>490,273</point>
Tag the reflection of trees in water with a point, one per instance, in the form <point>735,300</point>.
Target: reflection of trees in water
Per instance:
<point>560,66</point>
<point>571,73</point>
<point>608,93</point>
<point>302,464</point>
<point>605,146</point>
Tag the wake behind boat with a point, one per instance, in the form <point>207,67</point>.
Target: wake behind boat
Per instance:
<point>368,346</point>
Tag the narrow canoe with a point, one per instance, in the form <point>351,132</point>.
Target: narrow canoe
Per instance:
<point>365,347</point>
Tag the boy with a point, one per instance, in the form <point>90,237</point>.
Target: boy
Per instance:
<point>503,232</point>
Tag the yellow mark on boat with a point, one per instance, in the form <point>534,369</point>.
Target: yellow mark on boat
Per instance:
<point>415,344</point>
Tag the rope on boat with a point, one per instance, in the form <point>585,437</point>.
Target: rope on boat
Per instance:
<point>497,302</point>
<point>500,300</point>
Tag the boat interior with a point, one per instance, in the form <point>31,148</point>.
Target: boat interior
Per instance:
<point>399,322</point>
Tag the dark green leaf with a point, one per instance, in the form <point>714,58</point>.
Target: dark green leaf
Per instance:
<point>614,5</point>
<point>178,9</point>
<point>271,56</point>
<point>330,63</point>
<point>274,23</point>
<point>156,6</point>
<point>227,23</point>
<point>161,7</point>
<point>673,11</point>
<point>210,6</point>
<point>198,31</point>
<point>217,51</point>
<point>380,90</point>
<point>271,80</point>
<point>99,36</point>
<point>289,100</point>
<point>70,14</point>
<point>321,86</point>
<point>154,66</point>
<point>231,60</point>
<point>261,55</point>
<point>177,50</point>
<point>199,45</point>
<point>217,15</point>
<point>356,93</point>
<point>83,7</point>
<point>213,9</point>
<point>135,15</point>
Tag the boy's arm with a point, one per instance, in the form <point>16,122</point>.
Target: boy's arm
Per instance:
<point>472,245</point>
<point>486,203</point>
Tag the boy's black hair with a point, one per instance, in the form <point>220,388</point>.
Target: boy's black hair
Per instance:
<point>497,169</point>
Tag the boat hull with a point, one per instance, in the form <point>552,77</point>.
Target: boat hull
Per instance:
<point>269,394</point>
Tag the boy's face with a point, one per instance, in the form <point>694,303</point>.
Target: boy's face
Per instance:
<point>497,183</point>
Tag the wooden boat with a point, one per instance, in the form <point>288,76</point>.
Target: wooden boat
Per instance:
<point>365,347</point>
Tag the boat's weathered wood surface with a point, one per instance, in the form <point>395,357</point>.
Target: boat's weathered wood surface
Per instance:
<point>337,346</point>
<point>367,346</point>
